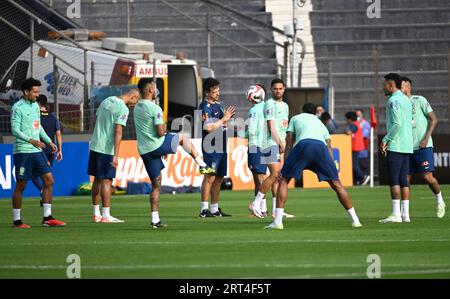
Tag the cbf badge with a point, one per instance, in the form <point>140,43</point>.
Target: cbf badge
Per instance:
<point>21,171</point>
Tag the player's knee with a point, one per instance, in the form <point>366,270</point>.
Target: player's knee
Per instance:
<point>48,181</point>
<point>429,178</point>
<point>20,185</point>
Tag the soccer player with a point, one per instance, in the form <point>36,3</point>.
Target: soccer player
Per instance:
<point>276,114</point>
<point>397,146</point>
<point>422,160</point>
<point>112,115</point>
<point>29,159</point>
<point>214,145</point>
<point>308,146</point>
<point>364,154</point>
<point>154,143</point>
<point>52,127</point>
<point>256,140</point>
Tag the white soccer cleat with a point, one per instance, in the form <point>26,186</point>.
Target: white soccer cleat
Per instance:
<point>440,210</point>
<point>356,224</point>
<point>256,211</point>
<point>392,219</point>
<point>286,215</point>
<point>273,225</point>
<point>111,219</point>
<point>97,219</point>
<point>405,218</point>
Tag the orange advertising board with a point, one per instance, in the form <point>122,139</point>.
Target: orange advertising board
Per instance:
<point>181,170</point>
<point>342,152</point>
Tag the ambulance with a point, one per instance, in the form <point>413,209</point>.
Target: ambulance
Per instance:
<point>113,64</point>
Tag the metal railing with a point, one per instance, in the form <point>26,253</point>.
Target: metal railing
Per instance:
<point>33,18</point>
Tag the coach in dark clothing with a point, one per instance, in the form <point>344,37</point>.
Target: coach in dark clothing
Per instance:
<point>52,127</point>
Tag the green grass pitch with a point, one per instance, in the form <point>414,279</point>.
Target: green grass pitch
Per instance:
<point>318,243</point>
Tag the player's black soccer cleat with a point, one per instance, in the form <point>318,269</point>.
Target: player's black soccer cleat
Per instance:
<point>206,213</point>
<point>158,225</point>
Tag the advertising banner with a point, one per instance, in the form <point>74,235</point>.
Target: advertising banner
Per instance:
<point>342,152</point>
<point>441,148</point>
<point>68,173</point>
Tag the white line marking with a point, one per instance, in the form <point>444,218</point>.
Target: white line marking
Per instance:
<point>215,242</point>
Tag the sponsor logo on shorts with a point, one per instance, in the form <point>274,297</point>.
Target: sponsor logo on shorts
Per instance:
<point>425,164</point>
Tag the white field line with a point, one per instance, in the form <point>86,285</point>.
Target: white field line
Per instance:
<point>364,275</point>
<point>238,266</point>
<point>215,242</point>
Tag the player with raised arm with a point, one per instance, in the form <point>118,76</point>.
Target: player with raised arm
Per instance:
<point>214,146</point>
<point>154,143</point>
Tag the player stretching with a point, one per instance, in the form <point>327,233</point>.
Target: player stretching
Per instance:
<point>422,160</point>
<point>214,146</point>
<point>397,146</point>
<point>308,146</point>
<point>276,113</point>
<point>29,159</point>
<point>154,143</point>
<point>112,115</point>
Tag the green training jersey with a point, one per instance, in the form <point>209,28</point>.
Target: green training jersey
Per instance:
<point>308,126</point>
<point>111,112</point>
<point>399,124</point>
<point>256,128</point>
<point>26,125</point>
<point>148,115</point>
<point>420,110</point>
<point>278,111</point>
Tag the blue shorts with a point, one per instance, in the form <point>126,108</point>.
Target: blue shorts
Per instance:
<point>254,161</point>
<point>421,161</point>
<point>271,155</point>
<point>313,155</point>
<point>30,165</point>
<point>99,166</point>
<point>398,168</point>
<point>153,160</point>
<point>218,161</point>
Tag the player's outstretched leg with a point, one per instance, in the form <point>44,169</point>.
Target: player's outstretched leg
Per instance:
<point>344,198</point>
<point>189,148</point>
<point>434,186</point>
<point>255,206</point>
<point>47,192</point>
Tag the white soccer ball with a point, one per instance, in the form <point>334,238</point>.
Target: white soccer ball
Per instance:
<point>255,94</point>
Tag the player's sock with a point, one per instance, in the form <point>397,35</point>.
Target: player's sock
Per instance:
<point>155,217</point>
<point>352,213</point>
<point>205,205</point>
<point>258,199</point>
<point>274,204</point>
<point>97,210</point>
<point>264,205</point>
<point>396,207</point>
<point>47,209</point>
<point>405,207</point>
<point>16,214</point>
<point>439,198</point>
<point>214,208</point>
<point>105,212</point>
<point>200,162</point>
<point>278,216</point>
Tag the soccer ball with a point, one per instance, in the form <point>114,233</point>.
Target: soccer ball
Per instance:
<point>255,94</point>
